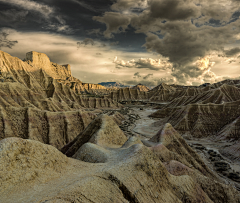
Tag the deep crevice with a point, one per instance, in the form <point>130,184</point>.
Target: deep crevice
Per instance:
<point>125,191</point>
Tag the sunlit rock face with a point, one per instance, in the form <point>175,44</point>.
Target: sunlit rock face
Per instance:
<point>37,102</point>
<point>41,61</point>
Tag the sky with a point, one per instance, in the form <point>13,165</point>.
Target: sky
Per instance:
<point>186,42</point>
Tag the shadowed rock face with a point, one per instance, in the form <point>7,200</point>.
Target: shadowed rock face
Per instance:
<point>103,131</point>
<point>54,128</point>
<point>131,173</point>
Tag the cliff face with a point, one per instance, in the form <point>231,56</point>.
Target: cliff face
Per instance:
<point>62,73</point>
<point>41,61</point>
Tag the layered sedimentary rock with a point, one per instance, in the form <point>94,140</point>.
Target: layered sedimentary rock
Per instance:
<point>49,79</point>
<point>168,171</point>
<point>54,128</point>
<point>128,94</point>
<point>201,120</point>
<point>210,110</point>
<point>205,113</point>
<point>35,104</point>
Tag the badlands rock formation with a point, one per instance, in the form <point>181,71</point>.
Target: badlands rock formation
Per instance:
<point>166,171</point>
<point>60,146</point>
<point>203,112</point>
<point>60,72</point>
<point>37,101</point>
<point>208,112</point>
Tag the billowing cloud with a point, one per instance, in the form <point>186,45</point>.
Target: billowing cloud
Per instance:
<point>173,10</point>
<point>232,52</point>
<point>143,63</point>
<point>53,20</point>
<point>44,9</point>
<point>115,22</point>
<point>123,5</point>
<point>182,31</point>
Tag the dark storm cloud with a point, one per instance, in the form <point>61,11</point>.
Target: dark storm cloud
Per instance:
<point>5,42</point>
<point>55,15</point>
<point>232,52</point>
<point>173,10</point>
<point>183,42</point>
<point>12,15</point>
<point>44,9</point>
<point>34,13</point>
<point>128,4</point>
<point>170,27</point>
<point>115,22</point>
<point>84,5</point>
<point>74,17</point>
